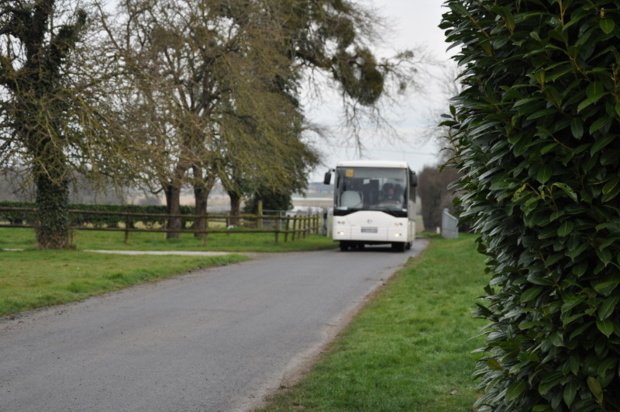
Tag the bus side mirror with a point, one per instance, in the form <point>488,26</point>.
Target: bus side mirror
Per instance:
<point>328,178</point>
<point>413,178</point>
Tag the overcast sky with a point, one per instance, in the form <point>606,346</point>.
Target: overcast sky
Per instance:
<point>414,24</point>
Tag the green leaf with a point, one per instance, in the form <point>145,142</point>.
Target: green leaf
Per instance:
<point>570,390</point>
<point>566,228</point>
<point>600,143</point>
<point>576,127</point>
<point>550,381</point>
<point>573,363</point>
<point>595,89</point>
<point>589,101</point>
<point>544,173</point>
<point>599,124</point>
<point>604,287</point>
<point>607,307</point>
<point>606,327</point>
<point>572,318</point>
<point>595,388</point>
<point>494,364</point>
<point>548,148</point>
<point>605,255</point>
<point>605,365</point>
<point>607,25</point>
<point>568,190</point>
<point>610,185</point>
<point>530,294</point>
<point>514,390</point>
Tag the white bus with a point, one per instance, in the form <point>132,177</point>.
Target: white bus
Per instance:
<point>374,203</point>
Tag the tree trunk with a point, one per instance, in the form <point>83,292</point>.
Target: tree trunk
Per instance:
<point>52,201</point>
<point>202,188</point>
<point>201,196</point>
<point>235,207</point>
<point>173,207</point>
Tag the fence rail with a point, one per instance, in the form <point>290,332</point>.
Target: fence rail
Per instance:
<point>295,226</point>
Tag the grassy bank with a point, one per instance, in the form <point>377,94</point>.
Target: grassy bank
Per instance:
<point>409,350</point>
<point>227,242</point>
<point>33,279</point>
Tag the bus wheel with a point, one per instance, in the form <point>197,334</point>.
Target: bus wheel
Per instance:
<point>398,247</point>
<point>344,246</point>
<point>408,246</point>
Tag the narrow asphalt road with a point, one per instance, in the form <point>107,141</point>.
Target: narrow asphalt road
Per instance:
<point>213,340</point>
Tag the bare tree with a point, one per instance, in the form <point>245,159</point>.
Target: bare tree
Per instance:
<point>49,120</point>
<point>214,85</point>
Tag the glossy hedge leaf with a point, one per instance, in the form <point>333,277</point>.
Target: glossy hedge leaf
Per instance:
<point>515,390</point>
<point>550,381</point>
<point>607,25</point>
<point>601,143</point>
<point>545,173</point>
<point>570,390</point>
<point>606,327</point>
<point>530,294</point>
<point>595,387</point>
<point>608,306</point>
<point>566,228</point>
<point>576,127</point>
<point>589,101</point>
<point>568,190</point>
<point>599,124</point>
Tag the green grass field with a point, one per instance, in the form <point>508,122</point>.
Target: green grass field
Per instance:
<point>408,350</point>
<point>227,242</point>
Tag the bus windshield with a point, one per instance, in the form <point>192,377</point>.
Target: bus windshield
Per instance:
<point>371,188</point>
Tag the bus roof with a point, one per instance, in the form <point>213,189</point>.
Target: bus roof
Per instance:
<point>373,163</point>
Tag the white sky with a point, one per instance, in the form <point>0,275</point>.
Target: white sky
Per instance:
<point>414,23</point>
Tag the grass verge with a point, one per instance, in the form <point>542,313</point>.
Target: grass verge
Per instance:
<point>22,238</point>
<point>409,349</point>
<point>33,279</point>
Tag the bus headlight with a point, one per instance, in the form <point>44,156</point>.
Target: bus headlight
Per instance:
<point>398,234</point>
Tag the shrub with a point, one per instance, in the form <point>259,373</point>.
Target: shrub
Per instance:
<point>538,142</point>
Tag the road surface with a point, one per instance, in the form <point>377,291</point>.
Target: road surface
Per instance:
<point>213,340</point>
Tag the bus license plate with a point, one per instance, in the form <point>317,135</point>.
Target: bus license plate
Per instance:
<point>370,230</point>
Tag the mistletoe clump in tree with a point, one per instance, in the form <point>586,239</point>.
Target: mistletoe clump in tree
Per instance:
<point>538,140</point>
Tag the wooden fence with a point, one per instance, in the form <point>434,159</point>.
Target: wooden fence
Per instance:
<point>294,226</point>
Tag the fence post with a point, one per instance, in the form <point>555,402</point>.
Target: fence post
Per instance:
<point>306,226</point>
<point>259,221</point>
<point>127,223</point>
<point>286,228</point>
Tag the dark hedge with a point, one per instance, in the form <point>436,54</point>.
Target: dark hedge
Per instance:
<point>98,220</point>
<point>538,136</point>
